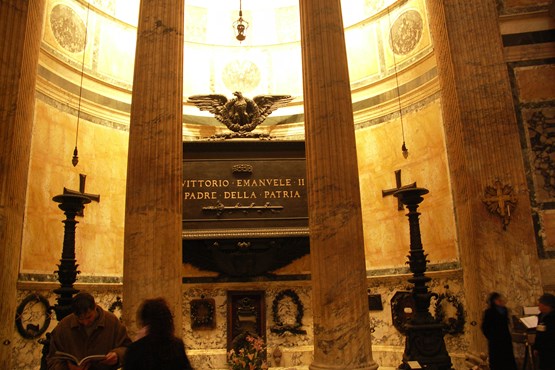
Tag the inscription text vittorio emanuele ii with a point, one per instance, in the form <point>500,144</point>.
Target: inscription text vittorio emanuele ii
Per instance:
<point>245,189</point>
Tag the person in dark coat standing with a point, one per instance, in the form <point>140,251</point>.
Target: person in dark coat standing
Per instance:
<point>544,347</point>
<point>159,348</point>
<point>495,327</point>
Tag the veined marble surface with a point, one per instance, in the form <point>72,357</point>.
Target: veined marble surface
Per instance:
<point>207,348</point>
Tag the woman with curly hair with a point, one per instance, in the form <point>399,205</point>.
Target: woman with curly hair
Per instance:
<point>159,348</point>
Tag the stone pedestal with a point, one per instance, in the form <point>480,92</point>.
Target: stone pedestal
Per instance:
<point>341,327</point>
<point>20,36</point>
<point>153,209</point>
<point>483,145</point>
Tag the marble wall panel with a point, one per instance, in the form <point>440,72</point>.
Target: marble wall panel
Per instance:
<point>535,83</point>
<point>548,222</point>
<point>534,98</point>
<point>102,157</point>
<point>207,348</point>
<point>379,155</point>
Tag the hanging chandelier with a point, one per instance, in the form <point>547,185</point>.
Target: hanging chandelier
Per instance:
<point>240,25</point>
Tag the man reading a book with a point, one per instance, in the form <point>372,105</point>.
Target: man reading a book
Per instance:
<point>91,332</point>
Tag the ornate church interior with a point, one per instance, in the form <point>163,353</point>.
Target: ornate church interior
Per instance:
<point>347,181</point>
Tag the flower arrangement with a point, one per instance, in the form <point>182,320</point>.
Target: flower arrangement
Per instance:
<point>251,357</point>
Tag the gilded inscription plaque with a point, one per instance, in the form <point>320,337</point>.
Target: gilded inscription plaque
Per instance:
<point>240,190</point>
<point>245,208</point>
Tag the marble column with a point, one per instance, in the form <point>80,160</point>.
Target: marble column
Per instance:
<point>20,37</point>
<point>341,325</point>
<point>483,144</point>
<point>152,249</point>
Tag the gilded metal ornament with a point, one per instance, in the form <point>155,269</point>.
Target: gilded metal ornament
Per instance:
<point>500,200</point>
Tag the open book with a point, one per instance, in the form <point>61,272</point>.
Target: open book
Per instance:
<point>531,322</point>
<point>414,365</point>
<point>69,357</point>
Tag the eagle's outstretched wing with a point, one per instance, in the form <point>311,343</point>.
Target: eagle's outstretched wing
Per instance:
<point>269,103</point>
<point>214,103</point>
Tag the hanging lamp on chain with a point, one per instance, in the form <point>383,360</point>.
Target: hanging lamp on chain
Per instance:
<point>75,158</point>
<point>241,25</point>
<point>404,148</point>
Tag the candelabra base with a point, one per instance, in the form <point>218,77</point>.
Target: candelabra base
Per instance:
<point>425,344</point>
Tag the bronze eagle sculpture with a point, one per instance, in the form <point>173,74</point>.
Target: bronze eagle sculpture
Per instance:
<point>240,114</point>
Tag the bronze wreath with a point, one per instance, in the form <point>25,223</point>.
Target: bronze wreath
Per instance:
<point>32,331</point>
<point>452,325</point>
<point>279,327</point>
<point>205,320</point>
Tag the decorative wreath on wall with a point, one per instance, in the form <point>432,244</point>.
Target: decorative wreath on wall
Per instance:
<point>117,305</point>
<point>32,316</point>
<point>202,313</point>
<point>280,327</point>
<point>402,308</point>
<point>454,324</point>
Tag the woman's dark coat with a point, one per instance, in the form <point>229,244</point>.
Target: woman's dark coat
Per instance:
<point>149,354</point>
<point>495,327</point>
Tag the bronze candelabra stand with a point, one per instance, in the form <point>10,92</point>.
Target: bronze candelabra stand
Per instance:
<point>72,205</point>
<point>424,342</point>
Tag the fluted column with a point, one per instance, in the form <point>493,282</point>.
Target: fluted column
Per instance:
<point>341,326</point>
<point>152,250</point>
<point>20,37</point>
<point>483,144</point>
